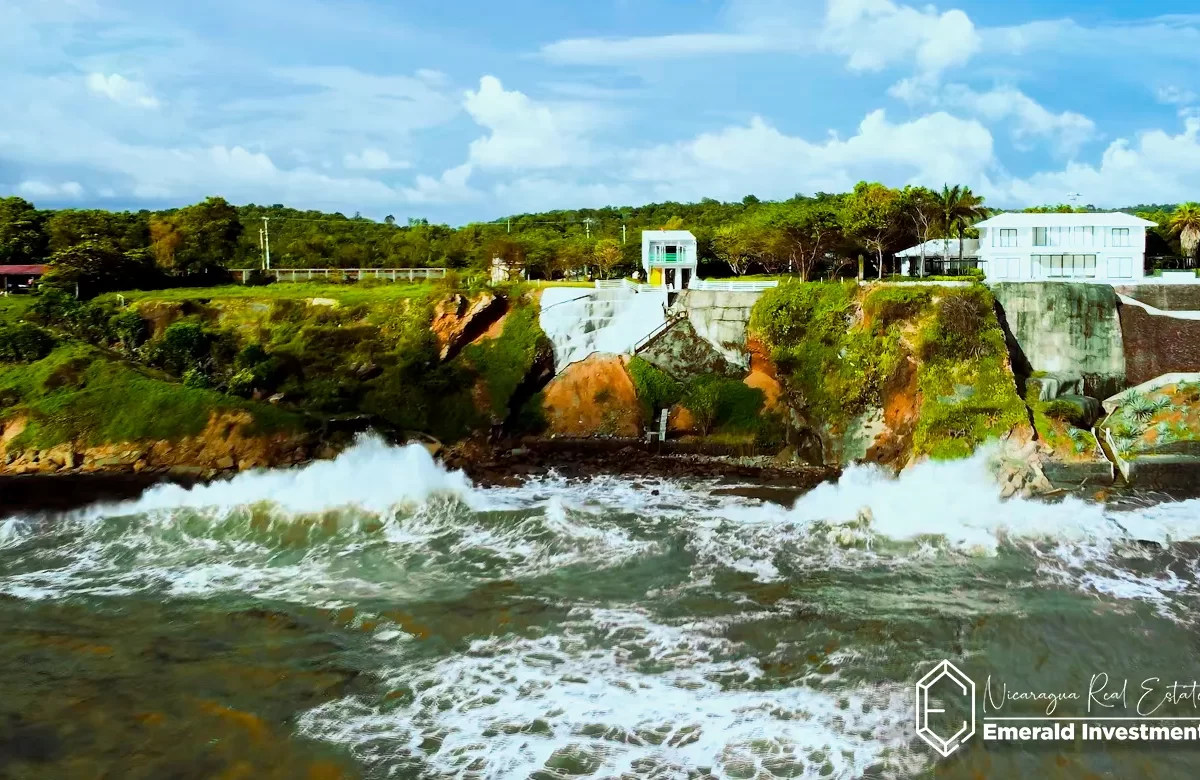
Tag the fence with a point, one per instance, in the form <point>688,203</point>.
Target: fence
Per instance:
<point>387,274</point>
<point>733,285</point>
<point>694,284</point>
<point>937,266</point>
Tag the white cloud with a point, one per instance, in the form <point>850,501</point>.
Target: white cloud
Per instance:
<point>372,159</point>
<point>528,134</point>
<point>121,90</point>
<point>874,34</point>
<point>451,187</point>
<point>1173,95</point>
<point>758,158</point>
<point>1067,131</point>
<point>608,51</point>
<point>1157,167</point>
<point>33,188</point>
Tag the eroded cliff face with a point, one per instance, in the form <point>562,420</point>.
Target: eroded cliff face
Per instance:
<point>228,442</point>
<point>593,397</point>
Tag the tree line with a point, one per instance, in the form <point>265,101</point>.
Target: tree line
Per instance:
<point>822,235</point>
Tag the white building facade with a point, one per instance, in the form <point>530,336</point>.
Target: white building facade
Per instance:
<point>1063,247</point>
<point>669,258</point>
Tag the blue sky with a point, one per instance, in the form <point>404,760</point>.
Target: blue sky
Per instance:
<point>469,110</point>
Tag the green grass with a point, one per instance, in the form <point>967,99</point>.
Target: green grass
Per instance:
<point>14,307</point>
<point>79,393</point>
<point>346,294</point>
<point>655,388</point>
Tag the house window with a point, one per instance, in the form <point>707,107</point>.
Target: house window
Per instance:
<point>1008,237</point>
<point>1082,236</point>
<point>1067,266</point>
<point>1040,238</point>
<point>1120,237</point>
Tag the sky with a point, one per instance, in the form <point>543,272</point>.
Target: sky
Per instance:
<point>469,110</point>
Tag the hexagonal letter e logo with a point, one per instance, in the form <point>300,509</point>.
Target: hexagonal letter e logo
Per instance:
<point>945,733</point>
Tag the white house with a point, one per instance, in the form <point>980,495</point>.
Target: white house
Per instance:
<point>1082,247</point>
<point>942,256</point>
<point>669,257</point>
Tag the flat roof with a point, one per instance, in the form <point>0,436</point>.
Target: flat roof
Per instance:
<point>1022,219</point>
<point>668,234</point>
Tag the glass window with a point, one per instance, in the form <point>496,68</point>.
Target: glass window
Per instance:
<point>1120,237</point>
<point>1039,237</point>
<point>1008,237</point>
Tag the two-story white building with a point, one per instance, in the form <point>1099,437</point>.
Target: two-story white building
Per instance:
<point>669,258</point>
<point>1108,246</point>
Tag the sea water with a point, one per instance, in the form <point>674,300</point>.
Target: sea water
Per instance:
<point>379,616</point>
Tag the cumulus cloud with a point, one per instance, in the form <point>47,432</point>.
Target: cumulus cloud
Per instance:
<point>451,187</point>
<point>372,159</point>
<point>759,158</point>
<point>1067,131</point>
<point>525,133</point>
<point>1155,167</point>
<point>121,90</point>
<point>874,34</point>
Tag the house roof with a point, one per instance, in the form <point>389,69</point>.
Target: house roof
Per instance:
<point>668,235</point>
<point>18,270</point>
<point>1092,218</point>
<point>935,247</point>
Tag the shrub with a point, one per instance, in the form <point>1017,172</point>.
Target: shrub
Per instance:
<point>24,342</point>
<point>725,404</point>
<point>887,305</point>
<point>129,330</point>
<point>963,327</point>
<point>1065,411</point>
<point>655,388</point>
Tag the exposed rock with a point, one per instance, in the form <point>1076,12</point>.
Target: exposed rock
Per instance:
<point>1054,385</point>
<point>680,420</point>
<point>594,397</point>
<point>1088,408</point>
<point>226,462</point>
<point>457,321</point>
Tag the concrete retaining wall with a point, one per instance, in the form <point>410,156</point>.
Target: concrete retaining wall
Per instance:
<point>1065,327</point>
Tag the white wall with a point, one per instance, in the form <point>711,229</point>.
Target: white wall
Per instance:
<point>1114,263</point>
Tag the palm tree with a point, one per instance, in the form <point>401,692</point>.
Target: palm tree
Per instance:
<point>960,208</point>
<point>1185,223</point>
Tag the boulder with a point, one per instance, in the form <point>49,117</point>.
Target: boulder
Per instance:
<point>1088,408</point>
<point>1052,385</point>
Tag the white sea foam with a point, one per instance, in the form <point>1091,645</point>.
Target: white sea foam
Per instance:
<point>508,707</point>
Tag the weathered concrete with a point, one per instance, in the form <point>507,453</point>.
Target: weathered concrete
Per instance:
<point>681,352</point>
<point>1169,297</point>
<point>1159,342</point>
<point>721,319</point>
<point>1065,327</point>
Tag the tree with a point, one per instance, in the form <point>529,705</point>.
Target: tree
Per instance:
<point>607,255</point>
<point>921,206</point>
<point>674,223</point>
<point>736,245</point>
<point>210,235</point>
<point>165,239</point>
<point>1185,223</point>
<point>389,220</point>
<point>93,267</point>
<point>804,233</point>
<point>960,208</point>
<point>21,239</point>
<point>871,215</point>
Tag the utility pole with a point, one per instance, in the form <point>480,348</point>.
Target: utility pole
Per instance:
<point>587,226</point>
<point>623,233</point>
<point>267,243</point>
<point>510,224</point>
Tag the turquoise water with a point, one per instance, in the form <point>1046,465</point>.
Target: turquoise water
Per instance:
<point>375,616</point>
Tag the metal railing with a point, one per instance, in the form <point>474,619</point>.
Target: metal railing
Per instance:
<point>937,266</point>
<point>652,336</point>
<point>320,274</point>
<point>732,285</point>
